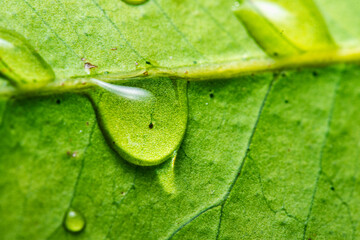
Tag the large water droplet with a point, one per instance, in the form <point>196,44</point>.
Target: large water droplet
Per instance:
<point>284,28</point>
<point>135,2</point>
<point>74,221</point>
<point>20,63</point>
<point>145,123</point>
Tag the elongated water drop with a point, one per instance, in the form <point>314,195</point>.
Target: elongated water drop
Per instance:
<point>132,93</point>
<point>135,2</point>
<point>144,129</point>
<point>284,28</point>
<point>20,63</point>
<point>74,221</point>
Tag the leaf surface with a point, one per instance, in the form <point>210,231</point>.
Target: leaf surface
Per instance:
<point>266,156</point>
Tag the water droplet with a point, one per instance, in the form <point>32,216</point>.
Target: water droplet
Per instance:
<point>284,28</point>
<point>135,2</point>
<point>20,63</point>
<point>74,221</point>
<point>146,120</point>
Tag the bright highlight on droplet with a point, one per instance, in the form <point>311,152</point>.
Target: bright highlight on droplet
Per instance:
<point>74,221</point>
<point>132,93</point>
<point>135,2</point>
<point>20,63</point>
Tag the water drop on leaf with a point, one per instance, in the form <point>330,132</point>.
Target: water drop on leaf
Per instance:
<point>135,2</point>
<point>20,63</point>
<point>74,221</point>
<point>144,129</point>
<point>285,28</point>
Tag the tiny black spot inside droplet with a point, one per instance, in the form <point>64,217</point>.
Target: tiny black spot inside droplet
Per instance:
<point>315,74</point>
<point>147,62</point>
<point>211,95</point>
<point>58,101</point>
<point>332,189</point>
<point>151,125</point>
<point>286,101</point>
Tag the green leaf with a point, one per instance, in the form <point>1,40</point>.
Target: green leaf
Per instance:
<point>269,155</point>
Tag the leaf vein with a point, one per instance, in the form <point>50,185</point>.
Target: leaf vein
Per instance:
<point>320,172</point>
<point>50,28</point>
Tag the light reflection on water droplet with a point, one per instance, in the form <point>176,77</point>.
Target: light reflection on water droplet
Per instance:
<point>20,63</point>
<point>135,2</point>
<point>132,93</point>
<point>74,221</point>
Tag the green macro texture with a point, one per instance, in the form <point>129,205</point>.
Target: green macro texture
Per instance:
<point>255,154</point>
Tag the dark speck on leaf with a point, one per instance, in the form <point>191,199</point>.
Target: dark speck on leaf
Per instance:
<point>146,73</point>
<point>58,101</point>
<point>87,123</point>
<point>276,54</point>
<point>151,125</point>
<point>147,62</point>
<point>315,74</point>
<point>211,95</point>
<point>286,101</point>
<point>283,75</point>
<point>113,142</point>
<point>88,65</point>
<point>332,189</point>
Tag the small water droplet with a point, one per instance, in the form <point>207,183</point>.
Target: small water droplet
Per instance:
<point>135,2</point>
<point>74,221</point>
<point>20,63</point>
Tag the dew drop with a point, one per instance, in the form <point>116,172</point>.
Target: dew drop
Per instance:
<point>285,28</point>
<point>20,63</point>
<point>144,120</point>
<point>74,221</point>
<point>135,2</point>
